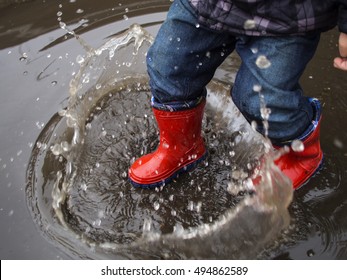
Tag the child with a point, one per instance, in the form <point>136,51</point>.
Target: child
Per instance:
<point>275,40</point>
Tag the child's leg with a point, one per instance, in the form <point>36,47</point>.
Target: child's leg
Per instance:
<point>291,112</point>
<point>183,58</point>
<point>293,116</point>
<point>181,62</point>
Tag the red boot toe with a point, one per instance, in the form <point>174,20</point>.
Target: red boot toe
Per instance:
<point>181,147</point>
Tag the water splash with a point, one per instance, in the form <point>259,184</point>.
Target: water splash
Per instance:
<point>219,214</point>
<point>63,26</point>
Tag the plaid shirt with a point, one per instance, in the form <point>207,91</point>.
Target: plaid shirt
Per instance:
<point>272,17</point>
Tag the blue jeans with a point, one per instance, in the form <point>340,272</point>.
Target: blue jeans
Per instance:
<point>184,57</point>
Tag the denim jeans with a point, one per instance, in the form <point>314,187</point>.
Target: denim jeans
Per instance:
<point>185,55</point>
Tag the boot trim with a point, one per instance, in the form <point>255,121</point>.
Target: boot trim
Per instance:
<point>317,112</point>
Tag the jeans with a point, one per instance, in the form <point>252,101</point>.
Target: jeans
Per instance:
<point>185,55</point>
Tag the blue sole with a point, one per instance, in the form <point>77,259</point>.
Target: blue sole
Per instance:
<point>187,168</point>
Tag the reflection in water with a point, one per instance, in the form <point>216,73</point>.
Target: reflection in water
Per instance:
<point>79,194</point>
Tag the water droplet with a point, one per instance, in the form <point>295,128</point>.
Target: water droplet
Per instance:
<point>178,39</point>
<point>198,207</point>
<point>254,50</point>
<point>80,59</point>
<point>197,25</point>
<point>101,214</point>
<point>265,113</point>
<point>249,24</point>
<point>62,24</point>
<point>54,83</point>
<point>310,253</point>
<point>166,145</point>
<point>156,205</point>
<point>338,143</point>
<point>257,88</point>
<point>262,62</point>
<point>84,186</point>
<point>59,13</point>
<point>23,57</point>
<point>97,222</point>
<point>39,125</point>
<point>125,17</point>
<point>56,149</point>
<point>297,146</point>
<point>86,79</point>
<point>79,11</point>
<point>147,225</point>
<point>10,213</point>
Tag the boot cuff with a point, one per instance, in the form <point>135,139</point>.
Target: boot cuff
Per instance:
<point>177,105</point>
<point>317,112</point>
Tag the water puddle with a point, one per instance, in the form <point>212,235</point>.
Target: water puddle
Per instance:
<point>78,191</point>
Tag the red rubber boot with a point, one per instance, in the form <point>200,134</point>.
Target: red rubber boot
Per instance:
<point>299,166</point>
<point>181,147</point>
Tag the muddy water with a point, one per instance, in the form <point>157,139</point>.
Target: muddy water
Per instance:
<point>38,61</point>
